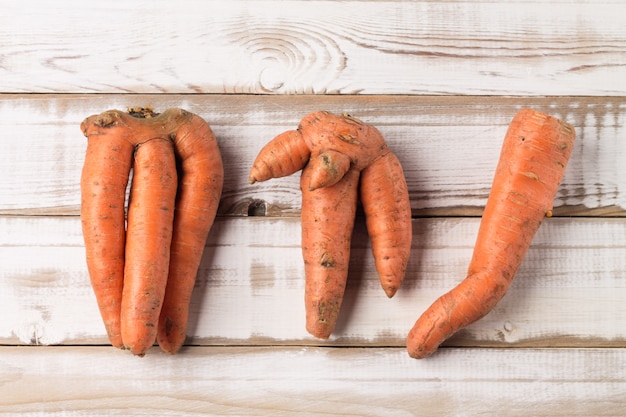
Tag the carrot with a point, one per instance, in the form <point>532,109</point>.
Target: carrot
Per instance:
<point>327,169</point>
<point>340,157</point>
<point>103,183</point>
<point>532,163</point>
<point>361,143</point>
<point>149,235</point>
<point>199,192</point>
<point>284,155</point>
<point>387,214</point>
<point>148,271</point>
<point>327,222</point>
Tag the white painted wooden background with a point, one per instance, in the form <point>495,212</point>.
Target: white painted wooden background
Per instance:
<point>441,80</point>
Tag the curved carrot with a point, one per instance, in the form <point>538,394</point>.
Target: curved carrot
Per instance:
<point>200,187</point>
<point>149,235</point>
<point>284,155</point>
<point>388,218</point>
<point>532,163</point>
<point>327,222</point>
<point>103,183</point>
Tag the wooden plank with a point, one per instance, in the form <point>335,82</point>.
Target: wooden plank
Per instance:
<point>319,47</point>
<point>227,381</point>
<point>569,291</point>
<point>448,146</point>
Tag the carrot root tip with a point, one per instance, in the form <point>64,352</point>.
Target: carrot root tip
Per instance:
<point>390,291</point>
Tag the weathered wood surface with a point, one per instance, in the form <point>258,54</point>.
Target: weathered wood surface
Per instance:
<point>320,47</point>
<point>448,146</point>
<point>441,80</point>
<point>304,381</point>
<point>568,292</point>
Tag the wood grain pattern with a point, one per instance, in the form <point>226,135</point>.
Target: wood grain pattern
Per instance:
<point>228,381</point>
<point>250,286</point>
<point>448,147</point>
<point>315,47</point>
<point>441,79</point>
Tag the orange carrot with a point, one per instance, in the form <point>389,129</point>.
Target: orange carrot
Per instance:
<point>328,168</point>
<point>532,163</point>
<point>341,152</point>
<point>327,221</point>
<point>104,178</point>
<point>387,214</point>
<point>132,271</point>
<point>361,143</point>
<point>284,155</point>
<point>149,235</point>
<point>199,192</point>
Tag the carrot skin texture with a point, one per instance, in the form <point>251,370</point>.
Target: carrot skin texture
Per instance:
<point>388,218</point>
<point>384,193</point>
<point>199,191</point>
<point>337,151</point>
<point>327,221</point>
<point>200,188</point>
<point>328,168</point>
<point>149,235</point>
<point>104,179</point>
<point>323,131</point>
<point>284,155</point>
<point>531,166</point>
